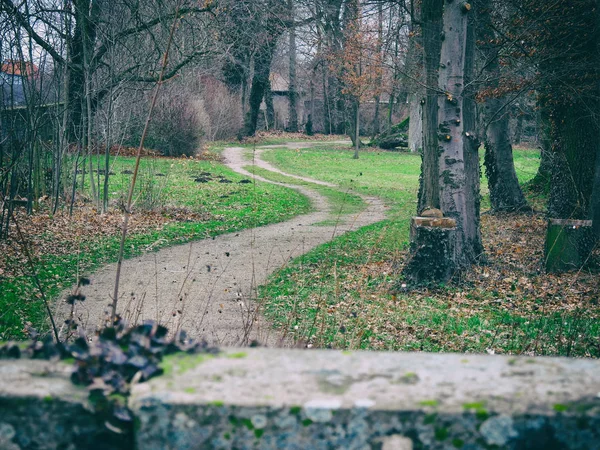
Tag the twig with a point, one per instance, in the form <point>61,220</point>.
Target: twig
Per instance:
<point>137,165</point>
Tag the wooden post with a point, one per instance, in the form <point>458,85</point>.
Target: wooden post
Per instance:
<point>569,244</point>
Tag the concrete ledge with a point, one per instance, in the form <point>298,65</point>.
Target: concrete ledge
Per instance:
<point>295,399</point>
<point>41,409</point>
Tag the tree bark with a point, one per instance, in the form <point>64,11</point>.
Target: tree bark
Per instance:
<point>432,16</point>
<point>505,192</point>
<point>415,124</point>
<point>260,82</point>
<point>376,128</point>
<point>269,108</point>
<point>292,91</point>
<point>541,181</point>
<point>458,163</point>
<point>356,128</point>
<point>414,64</point>
<point>518,128</point>
<point>452,147</point>
<point>471,144</point>
<point>595,206</point>
<point>82,43</point>
<point>574,144</point>
<point>573,127</point>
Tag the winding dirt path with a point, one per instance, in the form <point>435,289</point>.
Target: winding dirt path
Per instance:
<point>206,287</point>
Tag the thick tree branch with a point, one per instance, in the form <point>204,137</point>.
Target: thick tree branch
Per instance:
<point>106,46</point>
<point>12,10</point>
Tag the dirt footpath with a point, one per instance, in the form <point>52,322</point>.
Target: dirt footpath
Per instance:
<point>207,287</point>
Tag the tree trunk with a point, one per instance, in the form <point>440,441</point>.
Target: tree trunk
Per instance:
<point>595,206</point>
<point>269,108</point>
<point>341,110</point>
<point>107,153</point>
<point>505,192</point>
<point>415,124</point>
<point>82,43</point>
<point>574,144</point>
<point>327,119</point>
<point>451,148</point>
<point>541,181</point>
<point>88,131</point>
<point>356,128</point>
<point>260,82</point>
<point>244,97</point>
<point>376,128</point>
<point>573,127</point>
<point>414,64</point>
<point>432,16</point>
<point>332,98</point>
<point>292,92</point>
<point>459,164</point>
<point>390,111</point>
<point>518,128</point>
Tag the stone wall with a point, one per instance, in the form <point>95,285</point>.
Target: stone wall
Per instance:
<point>294,399</point>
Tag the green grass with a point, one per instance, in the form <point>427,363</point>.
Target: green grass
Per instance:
<point>341,294</point>
<point>393,176</point>
<point>229,207</point>
<point>340,201</point>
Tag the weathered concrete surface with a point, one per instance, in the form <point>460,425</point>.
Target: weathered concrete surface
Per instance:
<point>299,399</point>
<point>41,409</point>
<point>276,399</point>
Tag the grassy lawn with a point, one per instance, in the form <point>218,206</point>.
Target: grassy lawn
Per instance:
<point>392,176</point>
<point>171,207</point>
<point>349,293</point>
<point>340,201</point>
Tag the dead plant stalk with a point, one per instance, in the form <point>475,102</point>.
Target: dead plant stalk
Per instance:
<point>137,164</point>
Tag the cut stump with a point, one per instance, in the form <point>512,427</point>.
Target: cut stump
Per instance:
<point>432,250</point>
<point>569,244</point>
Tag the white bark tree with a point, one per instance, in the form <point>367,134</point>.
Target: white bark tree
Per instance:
<point>450,170</point>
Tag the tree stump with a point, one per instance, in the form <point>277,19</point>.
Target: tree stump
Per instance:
<point>432,250</point>
<point>569,244</point>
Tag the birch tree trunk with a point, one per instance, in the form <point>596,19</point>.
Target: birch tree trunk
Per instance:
<point>415,124</point>
<point>458,163</point>
<point>415,54</point>
<point>450,170</point>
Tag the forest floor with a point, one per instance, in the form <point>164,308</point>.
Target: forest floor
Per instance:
<point>343,292</point>
<point>350,294</point>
